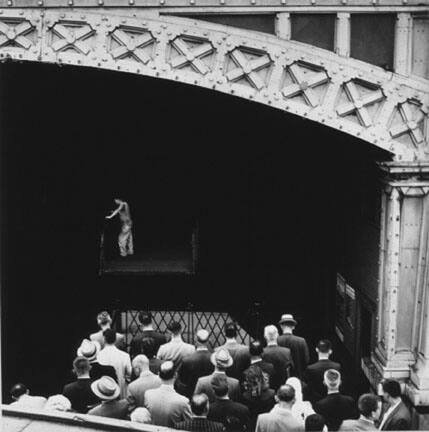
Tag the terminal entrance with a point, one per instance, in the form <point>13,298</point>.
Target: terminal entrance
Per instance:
<point>236,207</point>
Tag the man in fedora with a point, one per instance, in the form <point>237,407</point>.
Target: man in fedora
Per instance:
<point>175,350</point>
<point>90,350</point>
<point>104,321</point>
<point>166,406</point>
<point>79,393</point>
<point>107,389</point>
<point>297,345</point>
<point>195,366</point>
<point>221,360</point>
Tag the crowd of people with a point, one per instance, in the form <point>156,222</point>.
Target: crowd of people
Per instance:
<point>267,386</point>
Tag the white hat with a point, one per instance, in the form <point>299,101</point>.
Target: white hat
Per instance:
<point>287,319</point>
<point>106,388</point>
<point>202,335</point>
<point>58,403</point>
<point>141,415</point>
<point>89,350</point>
<point>222,358</point>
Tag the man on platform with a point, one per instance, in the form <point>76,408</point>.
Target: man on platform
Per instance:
<point>166,406</point>
<point>104,321</point>
<point>221,360</point>
<point>175,350</point>
<point>315,372</point>
<point>90,350</point>
<point>297,345</point>
<point>147,331</point>
<point>195,365</point>
<point>279,357</point>
<point>397,416</point>
<point>370,409</point>
<point>79,393</point>
<point>256,351</point>
<point>199,421</point>
<point>239,352</point>
<point>146,380</point>
<point>22,399</point>
<point>120,360</point>
<point>280,418</point>
<point>335,407</point>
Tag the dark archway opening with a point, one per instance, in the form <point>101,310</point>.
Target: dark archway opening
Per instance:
<point>275,198</point>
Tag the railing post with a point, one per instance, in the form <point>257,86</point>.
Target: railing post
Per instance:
<point>402,52</point>
<point>342,34</point>
<point>283,26</point>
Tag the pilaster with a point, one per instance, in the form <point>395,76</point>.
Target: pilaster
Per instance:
<point>342,34</point>
<point>403,38</point>
<point>283,26</point>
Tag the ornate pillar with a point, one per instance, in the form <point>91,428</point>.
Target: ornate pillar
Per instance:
<point>283,26</point>
<point>342,34</point>
<point>402,347</point>
<point>402,52</point>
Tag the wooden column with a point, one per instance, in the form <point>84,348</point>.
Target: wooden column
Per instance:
<point>342,34</point>
<point>283,26</point>
<point>403,39</point>
<point>403,304</point>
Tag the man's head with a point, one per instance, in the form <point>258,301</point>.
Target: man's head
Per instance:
<point>286,395</point>
<point>370,406</point>
<point>167,372</point>
<point>287,321</point>
<point>256,348</point>
<point>149,347</point>
<point>200,405</point>
<point>145,318</point>
<point>222,359</point>
<point>81,366</point>
<point>230,330</point>
<point>324,348</point>
<point>18,390</point>
<point>391,391</point>
<point>104,319</point>
<point>140,364</point>
<point>109,336</point>
<point>314,423</point>
<point>175,328</point>
<point>202,337</point>
<point>271,333</point>
<point>332,380</point>
<point>219,384</point>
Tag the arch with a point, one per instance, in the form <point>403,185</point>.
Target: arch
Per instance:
<point>379,107</point>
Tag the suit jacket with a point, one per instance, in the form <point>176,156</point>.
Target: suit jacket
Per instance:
<point>29,402</point>
<point>258,405</point>
<point>204,386</point>
<point>137,389</point>
<point>279,420</point>
<point>175,350</point>
<point>120,340</point>
<point>267,369</point>
<point>223,409</point>
<point>155,365</point>
<point>98,370</point>
<point>240,355</point>
<point>166,406</point>
<point>135,346</point>
<point>117,409</point>
<point>200,424</point>
<point>120,360</point>
<point>193,367</point>
<point>80,395</point>
<point>281,359</point>
<point>299,350</point>
<point>313,376</point>
<point>335,408</point>
<point>399,419</point>
<point>357,425</point>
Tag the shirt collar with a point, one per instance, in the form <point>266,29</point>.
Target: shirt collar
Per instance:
<point>363,418</point>
<point>201,348</point>
<point>257,360</point>
<point>272,343</point>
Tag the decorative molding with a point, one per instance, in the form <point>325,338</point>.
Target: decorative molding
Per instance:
<point>381,108</point>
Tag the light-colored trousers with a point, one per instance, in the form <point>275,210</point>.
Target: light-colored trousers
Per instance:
<point>125,240</point>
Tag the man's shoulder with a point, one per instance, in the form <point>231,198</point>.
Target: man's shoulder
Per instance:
<point>232,381</point>
<point>354,425</point>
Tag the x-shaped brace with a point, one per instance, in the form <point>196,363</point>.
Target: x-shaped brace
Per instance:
<point>359,103</point>
<point>72,38</point>
<point>410,124</point>
<point>303,85</point>
<point>192,56</point>
<point>15,34</point>
<point>131,45</point>
<point>248,68</point>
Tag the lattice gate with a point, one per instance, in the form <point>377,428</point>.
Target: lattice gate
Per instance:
<point>192,321</point>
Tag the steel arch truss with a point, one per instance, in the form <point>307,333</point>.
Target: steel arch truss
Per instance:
<point>387,110</point>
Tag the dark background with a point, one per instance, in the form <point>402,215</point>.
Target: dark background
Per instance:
<point>272,195</point>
